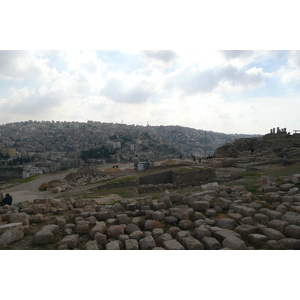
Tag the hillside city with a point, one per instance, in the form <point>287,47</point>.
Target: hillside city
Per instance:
<point>49,146</point>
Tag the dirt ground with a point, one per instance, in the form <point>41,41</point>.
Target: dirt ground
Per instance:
<point>30,190</point>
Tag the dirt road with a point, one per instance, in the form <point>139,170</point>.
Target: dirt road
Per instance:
<point>30,190</point>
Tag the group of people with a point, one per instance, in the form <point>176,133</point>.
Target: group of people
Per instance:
<point>5,200</point>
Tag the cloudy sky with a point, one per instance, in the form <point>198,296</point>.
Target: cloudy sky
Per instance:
<point>230,91</point>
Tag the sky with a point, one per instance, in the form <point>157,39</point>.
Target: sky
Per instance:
<point>87,76</point>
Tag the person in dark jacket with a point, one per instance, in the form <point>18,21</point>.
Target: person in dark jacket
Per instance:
<point>7,200</point>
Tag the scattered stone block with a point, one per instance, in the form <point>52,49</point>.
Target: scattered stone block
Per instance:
<point>222,234</point>
<point>234,243</point>
<point>278,225</point>
<point>10,233</point>
<point>101,239</point>
<point>70,240</point>
<point>272,233</point>
<point>244,230</point>
<point>147,243</point>
<point>172,245</point>
<point>131,244</point>
<point>185,224</point>
<point>137,235</point>
<point>44,237</point>
<point>191,243</point>
<point>91,245</point>
<point>113,245</point>
<point>114,231</point>
<point>20,218</point>
<point>292,231</point>
<point>290,243</point>
<point>82,227</point>
<point>200,205</point>
<point>226,223</point>
<point>151,224</point>
<point>257,238</point>
<point>211,243</point>
<point>99,227</point>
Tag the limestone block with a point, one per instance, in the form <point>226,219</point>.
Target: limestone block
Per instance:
<point>222,234</point>
<point>172,245</point>
<point>137,235</point>
<point>158,215</point>
<point>226,223</point>
<point>113,245</point>
<point>200,205</point>
<point>20,218</point>
<point>182,214</point>
<point>82,227</point>
<point>257,238</point>
<point>112,222</point>
<point>181,235</point>
<point>185,224</point>
<point>156,232</point>
<point>292,231</point>
<point>147,243</point>
<point>234,243</point>
<point>210,186</point>
<point>159,205</point>
<point>236,217</point>
<point>131,244</point>
<point>130,228</point>
<point>123,219</point>
<point>10,233</point>
<point>114,231</point>
<point>289,199</point>
<point>151,224</point>
<point>291,217</point>
<point>173,231</point>
<point>171,220</point>
<point>60,221</point>
<point>99,227</point>
<point>70,240</point>
<point>91,245</point>
<point>44,237</point>
<point>286,186</point>
<point>273,214</point>
<point>102,215</point>
<point>164,237</point>
<point>247,220</point>
<point>101,239</point>
<point>222,203</point>
<point>166,200</point>
<point>278,225</point>
<point>244,230</point>
<point>290,243</point>
<point>38,218</point>
<point>52,228</point>
<point>261,218</point>
<point>272,233</point>
<point>191,243</point>
<point>211,243</point>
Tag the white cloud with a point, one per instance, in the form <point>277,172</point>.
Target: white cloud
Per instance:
<point>166,57</point>
<point>25,65</point>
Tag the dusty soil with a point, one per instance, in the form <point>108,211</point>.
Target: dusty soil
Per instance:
<point>30,190</point>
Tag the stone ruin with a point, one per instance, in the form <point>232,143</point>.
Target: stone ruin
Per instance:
<point>215,218</point>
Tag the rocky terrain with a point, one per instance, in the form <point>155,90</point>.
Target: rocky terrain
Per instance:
<point>265,215</point>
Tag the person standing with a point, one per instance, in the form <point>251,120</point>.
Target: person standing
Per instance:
<point>285,158</point>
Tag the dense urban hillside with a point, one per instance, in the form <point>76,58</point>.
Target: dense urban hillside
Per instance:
<point>70,139</point>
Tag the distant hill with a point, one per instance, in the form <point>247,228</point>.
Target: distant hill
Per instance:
<point>269,145</point>
<point>152,142</point>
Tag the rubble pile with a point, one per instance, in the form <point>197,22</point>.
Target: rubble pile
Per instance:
<point>84,176</point>
<point>217,217</point>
